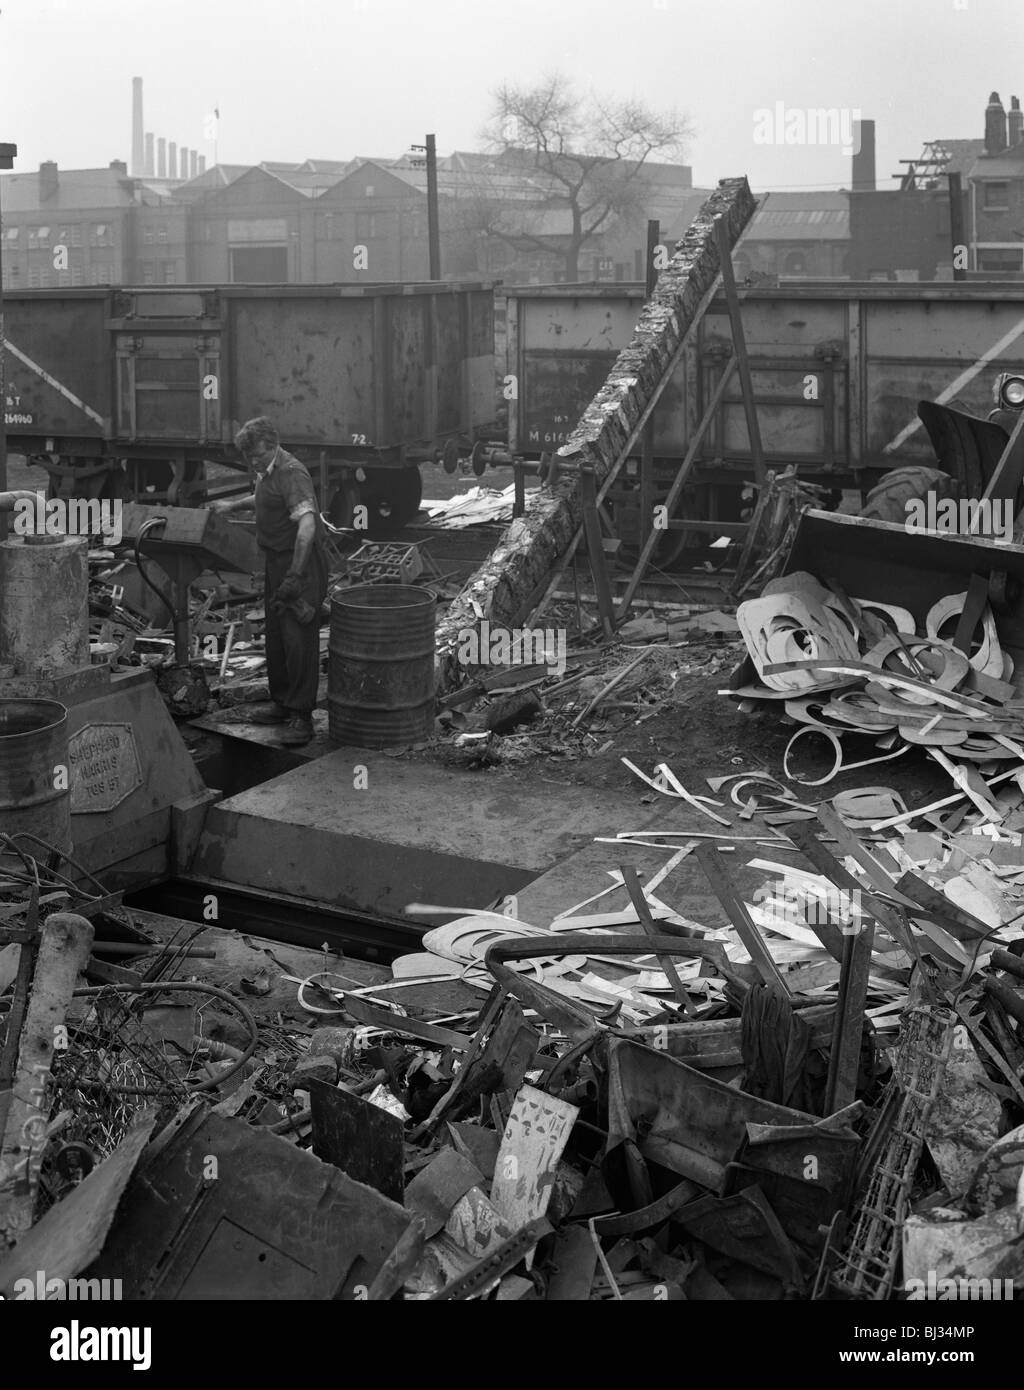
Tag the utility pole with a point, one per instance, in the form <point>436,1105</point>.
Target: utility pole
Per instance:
<point>433,230</point>
<point>7,154</point>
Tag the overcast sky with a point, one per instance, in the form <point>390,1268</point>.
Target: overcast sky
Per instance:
<point>337,78</point>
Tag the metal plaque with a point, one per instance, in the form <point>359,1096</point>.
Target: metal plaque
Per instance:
<point>104,767</point>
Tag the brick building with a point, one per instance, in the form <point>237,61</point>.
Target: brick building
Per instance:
<point>90,227</point>
<point>996,181</point>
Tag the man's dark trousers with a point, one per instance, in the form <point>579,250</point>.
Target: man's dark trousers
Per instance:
<point>293,648</point>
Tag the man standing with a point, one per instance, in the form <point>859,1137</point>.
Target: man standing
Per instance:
<point>288,531</point>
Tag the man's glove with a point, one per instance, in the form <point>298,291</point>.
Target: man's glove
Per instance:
<point>290,587</point>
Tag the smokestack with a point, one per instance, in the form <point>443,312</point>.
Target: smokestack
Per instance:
<point>150,164</point>
<point>184,161</point>
<point>161,158</point>
<point>1015,123</point>
<point>48,180</point>
<point>863,173</point>
<point>138,136</point>
<point>193,163</point>
<point>202,163</point>
<point>172,159</point>
<point>995,125</point>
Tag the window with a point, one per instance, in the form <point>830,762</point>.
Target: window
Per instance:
<point>148,235</point>
<point>161,235</point>
<point>43,235</point>
<point>369,191</point>
<point>100,234</point>
<point>997,197</point>
<point>77,275</point>
<point>102,274</point>
<point>76,234</point>
<point>170,273</point>
<point>148,273</point>
<point>13,233</point>
<point>34,277</point>
<point>366,226</point>
<point>1000,259</point>
<point>63,278</point>
<point>796,263</point>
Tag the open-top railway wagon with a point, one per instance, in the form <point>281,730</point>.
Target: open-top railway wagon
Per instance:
<point>131,392</point>
<point>838,371</point>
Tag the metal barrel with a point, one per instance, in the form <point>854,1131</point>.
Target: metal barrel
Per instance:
<point>34,797</point>
<point>380,684</point>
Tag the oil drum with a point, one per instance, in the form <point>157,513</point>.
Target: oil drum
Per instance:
<point>380,686</point>
<point>34,774</point>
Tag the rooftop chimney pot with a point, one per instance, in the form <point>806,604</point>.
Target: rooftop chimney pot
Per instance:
<point>1014,123</point>
<point>995,126</point>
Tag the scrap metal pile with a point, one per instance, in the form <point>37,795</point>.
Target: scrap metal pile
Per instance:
<point>841,666</point>
<point>621,1104</point>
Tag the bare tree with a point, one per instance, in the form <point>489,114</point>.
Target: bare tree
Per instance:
<point>589,154</point>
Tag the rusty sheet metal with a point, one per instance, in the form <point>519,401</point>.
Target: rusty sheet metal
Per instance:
<point>361,1139</point>
<point>223,1209</point>
<point>678,1117</point>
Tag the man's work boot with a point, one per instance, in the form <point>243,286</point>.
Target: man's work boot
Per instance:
<point>297,731</point>
<point>269,714</point>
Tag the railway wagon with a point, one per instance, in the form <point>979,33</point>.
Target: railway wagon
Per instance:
<point>132,391</point>
<point>837,368</point>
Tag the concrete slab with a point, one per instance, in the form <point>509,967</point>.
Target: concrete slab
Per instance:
<point>416,832</point>
<point>235,726</point>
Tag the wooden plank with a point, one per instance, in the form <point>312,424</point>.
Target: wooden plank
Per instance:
<point>64,948</point>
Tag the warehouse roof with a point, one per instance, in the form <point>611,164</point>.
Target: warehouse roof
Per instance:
<point>808,216</point>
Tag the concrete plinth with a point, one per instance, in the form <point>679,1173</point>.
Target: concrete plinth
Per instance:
<point>416,833</point>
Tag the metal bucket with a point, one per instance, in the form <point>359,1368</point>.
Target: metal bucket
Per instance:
<point>380,684</point>
<point>33,746</point>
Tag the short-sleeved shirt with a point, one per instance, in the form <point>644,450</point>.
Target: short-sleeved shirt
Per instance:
<point>283,494</point>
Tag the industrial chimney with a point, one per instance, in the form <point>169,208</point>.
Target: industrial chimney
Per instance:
<point>995,126</point>
<point>48,180</point>
<point>193,166</point>
<point>150,165</point>
<point>172,159</point>
<point>863,173</point>
<point>161,158</point>
<point>202,163</point>
<point>138,133</point>
<point>1014,123</point>
<point>184,162</point>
